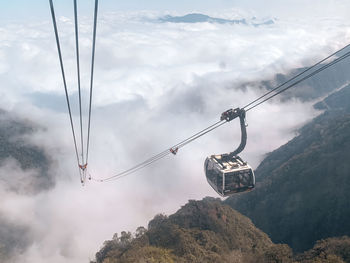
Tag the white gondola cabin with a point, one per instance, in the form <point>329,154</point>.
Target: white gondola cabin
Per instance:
<point>228,175</point>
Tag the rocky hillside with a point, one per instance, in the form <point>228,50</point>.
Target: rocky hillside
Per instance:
<point>201,231</point>
<point>210,231</point>
<point>303,188</point>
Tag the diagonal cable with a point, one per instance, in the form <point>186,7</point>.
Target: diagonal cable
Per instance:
<point>145,164</point>
<point>92,78</point>
<point>63,76</point>
<point>78,71</point>
<point>164,153</point>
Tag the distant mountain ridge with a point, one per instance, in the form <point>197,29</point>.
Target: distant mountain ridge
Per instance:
<point>316,87</point>
<point>201,18</point>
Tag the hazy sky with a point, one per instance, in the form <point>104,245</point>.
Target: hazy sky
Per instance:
<point>22,9</point>
<point>155,84</point>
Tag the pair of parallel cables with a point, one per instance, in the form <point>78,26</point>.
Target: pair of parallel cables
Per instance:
<point>84,156</point>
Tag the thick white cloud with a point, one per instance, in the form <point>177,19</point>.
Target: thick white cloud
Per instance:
<point>155,84</point>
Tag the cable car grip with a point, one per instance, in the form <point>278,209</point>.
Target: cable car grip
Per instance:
<point>232,114</point>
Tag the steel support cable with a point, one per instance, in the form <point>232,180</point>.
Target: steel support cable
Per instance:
<point>78,72</point>
<point>298,75</point>
<point>204,133</point>
<point>135,169</point>
<point>91,78</point>
<point>213,126</point>
<point>302,79</point>
<point>164,153</point>
<point>145,164</point>
<point>64,79</point>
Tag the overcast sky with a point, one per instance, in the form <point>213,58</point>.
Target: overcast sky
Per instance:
<point>155,84</point>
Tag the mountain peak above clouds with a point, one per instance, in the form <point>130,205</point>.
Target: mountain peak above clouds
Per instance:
<point>201,18</point>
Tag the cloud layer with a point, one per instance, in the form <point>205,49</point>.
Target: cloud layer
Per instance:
<point>155,84</point>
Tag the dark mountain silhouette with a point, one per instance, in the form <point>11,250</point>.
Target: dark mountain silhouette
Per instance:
<point>15,147</point>
<point>31,178</point>
<point>200,18</point>
<point>303,188</point>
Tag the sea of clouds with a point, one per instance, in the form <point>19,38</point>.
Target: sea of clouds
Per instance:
<point>155,84</point>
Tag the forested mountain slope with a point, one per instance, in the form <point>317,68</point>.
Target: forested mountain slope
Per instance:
<point>303,189</point>
<point>201,231</point>
<point>210,231</point>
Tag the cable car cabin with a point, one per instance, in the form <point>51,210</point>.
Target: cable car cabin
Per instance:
<point>228,175</point>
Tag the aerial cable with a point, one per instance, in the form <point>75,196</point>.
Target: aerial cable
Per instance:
<point>78,72</point>
<point>298,75</point>
<point>64,80</point>
<point>134,169</point>
<point>164,153</point>
<point>179,145</point>
<point>92,78</point>
<point>224,120</point>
